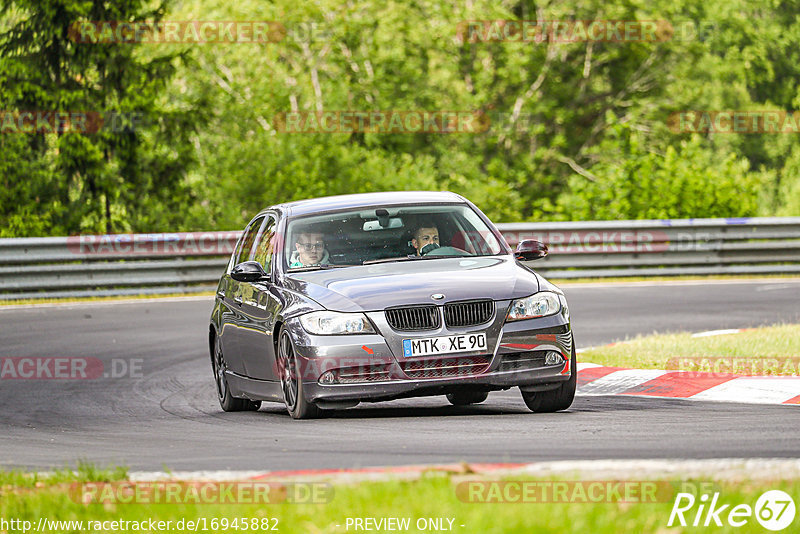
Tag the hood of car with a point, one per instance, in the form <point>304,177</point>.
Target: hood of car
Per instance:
<point>379,286</point>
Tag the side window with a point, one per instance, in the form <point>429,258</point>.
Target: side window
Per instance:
<point>265,244</point>
<point>248,240</point>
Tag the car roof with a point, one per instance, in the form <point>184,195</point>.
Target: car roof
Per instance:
<point>365,200</point>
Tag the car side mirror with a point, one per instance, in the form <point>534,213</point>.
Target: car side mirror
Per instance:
<point>249,271</point>
<point>530,250</point>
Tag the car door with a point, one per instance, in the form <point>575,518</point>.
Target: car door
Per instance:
<point>259,308</point>
<point>234,320</point>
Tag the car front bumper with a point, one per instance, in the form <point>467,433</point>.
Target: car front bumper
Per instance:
<point>402,388</point>
<point>517,357</point>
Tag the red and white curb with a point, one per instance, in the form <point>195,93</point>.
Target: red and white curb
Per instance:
<point>345,475</point>
<point>595,379</point>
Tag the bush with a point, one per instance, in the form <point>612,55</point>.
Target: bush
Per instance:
<point>633,181</point>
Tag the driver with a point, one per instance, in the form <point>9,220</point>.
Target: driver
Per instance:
<point>309,250</point>
<point>426,238</point>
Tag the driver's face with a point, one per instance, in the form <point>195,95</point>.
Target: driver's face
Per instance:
<point>310,248</point>
<point>425,236</point>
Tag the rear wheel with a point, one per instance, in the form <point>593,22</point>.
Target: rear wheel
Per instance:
<point>291,381</point>
<point>464,398</point>
<point>556,399</point>
<point>226,401</point>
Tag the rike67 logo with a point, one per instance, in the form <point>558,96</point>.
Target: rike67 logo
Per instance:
<point>774,510</point>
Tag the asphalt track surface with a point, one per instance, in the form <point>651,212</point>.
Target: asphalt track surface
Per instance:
<point>169,416</point>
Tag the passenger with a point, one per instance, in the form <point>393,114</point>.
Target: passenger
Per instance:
<point>426,238</point>
<point>309,251</point>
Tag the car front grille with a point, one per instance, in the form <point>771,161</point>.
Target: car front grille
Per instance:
<point>521,361</point>
<point>468,313</point>
<point>413,318</point>
<point>446,367</point>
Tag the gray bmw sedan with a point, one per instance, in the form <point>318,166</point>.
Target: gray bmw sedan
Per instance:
<point>330,302</point>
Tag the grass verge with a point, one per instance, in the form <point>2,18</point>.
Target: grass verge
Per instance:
<point>439,497</point>
<point>656,351</point>
<point>84,472</point>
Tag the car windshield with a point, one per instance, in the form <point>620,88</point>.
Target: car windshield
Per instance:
<point>386,234</point>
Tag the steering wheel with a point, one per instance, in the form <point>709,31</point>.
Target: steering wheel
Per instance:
<point>445,251</point>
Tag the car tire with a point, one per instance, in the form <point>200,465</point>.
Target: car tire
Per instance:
<point>557,399</point>
<point>291,380</point>
<point>227,402</point>
<point>465,398</point>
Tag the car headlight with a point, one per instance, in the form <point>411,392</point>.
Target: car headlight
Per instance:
<point>329,323</point>
<point>538,305</point>
<point>564,307</point>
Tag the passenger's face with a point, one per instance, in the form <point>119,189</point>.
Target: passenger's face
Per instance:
<point>310,248</point>
<point>425,236</point>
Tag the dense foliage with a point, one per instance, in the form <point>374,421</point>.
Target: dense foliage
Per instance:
<point>577,130</point>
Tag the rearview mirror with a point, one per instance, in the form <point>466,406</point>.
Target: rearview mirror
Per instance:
<point>248,271</point>
<point>387,223</point>
<point>530,250</point>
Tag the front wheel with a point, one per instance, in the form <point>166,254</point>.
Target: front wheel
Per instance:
<point>226,400</point>
<point>291,381</point>
<point>557,399</point>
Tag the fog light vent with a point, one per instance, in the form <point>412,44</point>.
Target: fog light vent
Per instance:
<point>553,358</point>
<point>328,377</point>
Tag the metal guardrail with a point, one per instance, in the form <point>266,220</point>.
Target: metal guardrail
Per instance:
<point>124,264</point>
<point>765,245</point>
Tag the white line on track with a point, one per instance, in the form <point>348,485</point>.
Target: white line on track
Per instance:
<point>709,333</point>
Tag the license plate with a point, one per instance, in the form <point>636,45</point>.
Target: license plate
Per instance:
<point>443,345</point>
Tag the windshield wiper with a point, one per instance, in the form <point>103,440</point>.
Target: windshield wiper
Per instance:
<point>412,257</point>
<point>388,260</point>
<point>437,256</point>
<point>315,268</point>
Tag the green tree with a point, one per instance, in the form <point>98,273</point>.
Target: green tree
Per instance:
<point>578,129</point>
<point>637,181</point>
<point>130,175</point>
